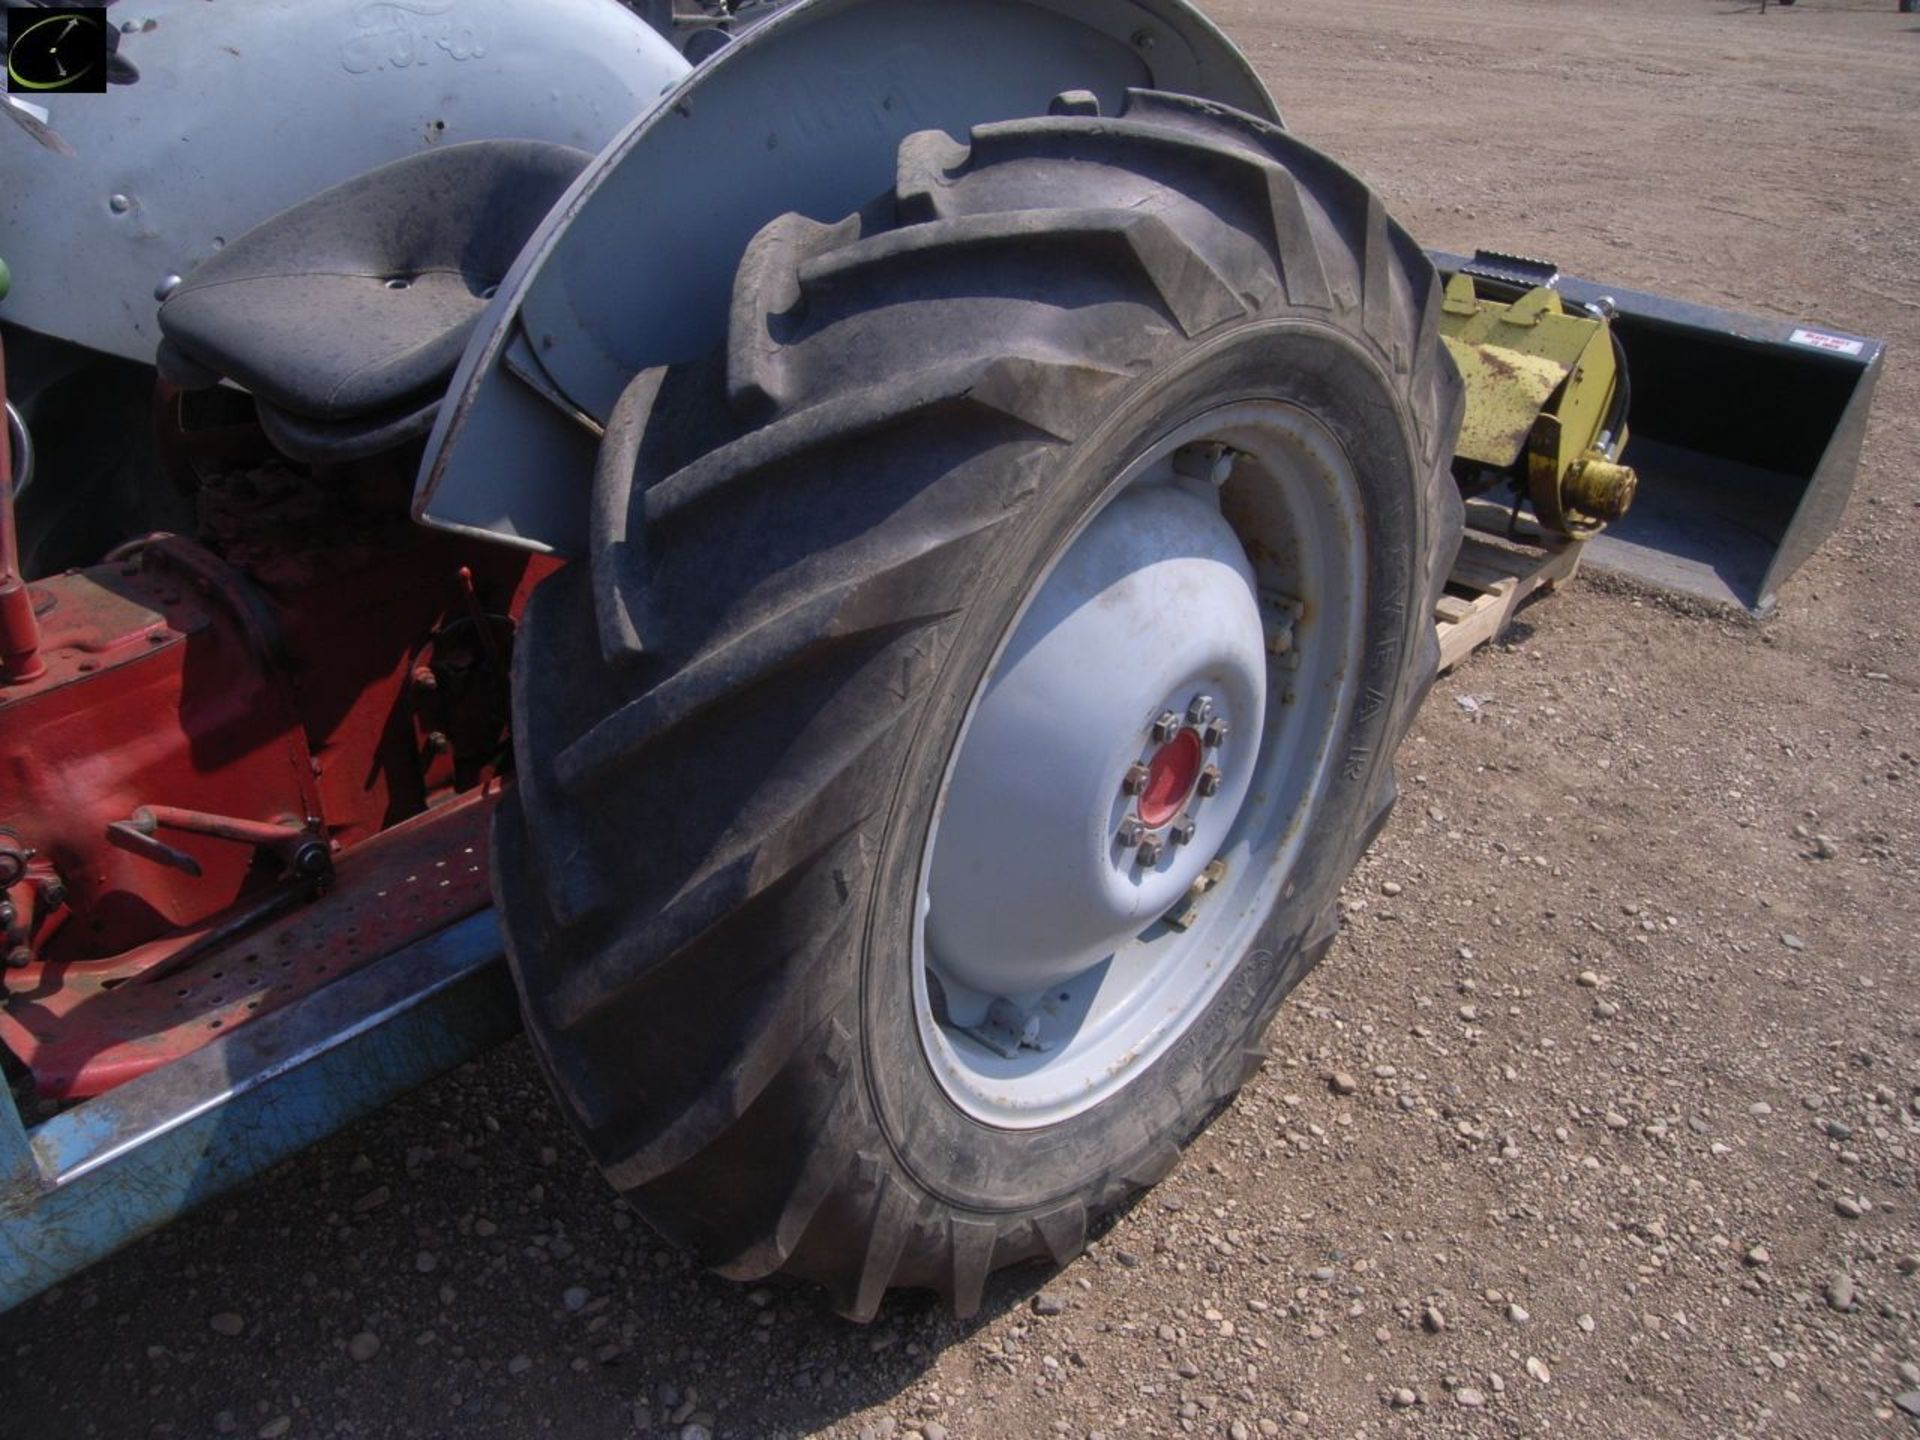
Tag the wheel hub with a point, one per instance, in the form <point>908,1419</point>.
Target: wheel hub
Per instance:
<point>1045,864</point>
<point>1125,797</point>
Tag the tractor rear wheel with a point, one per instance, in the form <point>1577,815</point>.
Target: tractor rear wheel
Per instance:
<point>987,671</point>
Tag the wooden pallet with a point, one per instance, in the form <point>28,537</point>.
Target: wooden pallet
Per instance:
<point>1486,587</point>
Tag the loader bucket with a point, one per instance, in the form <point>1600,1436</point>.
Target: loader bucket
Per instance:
<point>1745,432</point>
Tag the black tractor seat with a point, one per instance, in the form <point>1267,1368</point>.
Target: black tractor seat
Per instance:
<point>346,314</point>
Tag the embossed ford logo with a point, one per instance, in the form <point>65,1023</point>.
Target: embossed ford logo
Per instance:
<point>400,34</point>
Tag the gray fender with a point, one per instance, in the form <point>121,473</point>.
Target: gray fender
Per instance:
<point>243,109</point>
<point>633,267</point>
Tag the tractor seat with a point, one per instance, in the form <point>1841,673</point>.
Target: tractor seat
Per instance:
<point>346,314</point>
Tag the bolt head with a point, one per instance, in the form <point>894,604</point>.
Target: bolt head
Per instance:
<point>1209,780</point>
<point>1132,830</point>
<point>1208,461</point>
<point>1165,727</point>
<point>1199,709</point>
<point>1135,780</point>
<point>1181,830</point>
<point>1151,849</point>
<point>1214,734</point>
<point>19,956</point>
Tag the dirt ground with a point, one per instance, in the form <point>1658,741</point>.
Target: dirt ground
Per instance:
<point>1626,994</point>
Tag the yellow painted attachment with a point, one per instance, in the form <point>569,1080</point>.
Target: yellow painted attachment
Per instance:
<point>1540,385</point>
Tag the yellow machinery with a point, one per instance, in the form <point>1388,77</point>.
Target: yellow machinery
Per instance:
<point>1547,395</point>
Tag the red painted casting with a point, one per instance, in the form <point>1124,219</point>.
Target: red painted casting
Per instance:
<point>86,1027</point>
<point>240,763</point>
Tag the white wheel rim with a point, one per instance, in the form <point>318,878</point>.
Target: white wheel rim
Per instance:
<point>1225,564</point>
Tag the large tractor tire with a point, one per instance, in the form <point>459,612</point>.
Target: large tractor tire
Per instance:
<point>988,668</point>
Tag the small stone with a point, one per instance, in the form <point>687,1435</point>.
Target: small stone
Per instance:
<point>1588,979</point>
<point>1840,1293</point>
<point>1836,1131</point>
<point>226,1323</point>
<point>1793,942</point>
<point>485,1228</point>
<point>1537,1368</point>
<point>1849,1208</point>
<point>1468,1398</point>
<point>1404,1398</point>
<point>1389,888</point>
<point>933,1430</point>
<point>1616,1121</point>
<point>1343,1083</point>
<point>1605,1009</point>
<point>519,1365</point>
<point>1759,1255</point>
<point>1049,1302</point>
<point>1909,1402</point>
<point>275,1427</point>
<point>694,1430</point>
<point>1907,1264</point>
<point>364,1346</point>
<point>1469,1012</point>
<point>1518,1315</point>
<point>1909,1372</point>
<point>1585,1322</point>
<point>1433,1319</point>
<point>1760,1108</point>
<point>372,1200</point>
<point>575,1297</point>
<point>1824,847</point>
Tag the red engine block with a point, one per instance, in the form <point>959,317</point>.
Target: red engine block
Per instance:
<point>153,694</point>
<point>220,721</point>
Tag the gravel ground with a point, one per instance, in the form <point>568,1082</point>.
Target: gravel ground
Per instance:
<point>1602,1116</point>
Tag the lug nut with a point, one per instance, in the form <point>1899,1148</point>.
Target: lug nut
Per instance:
<point>1181,831</point>
<point>1210,780</point>
<point>1214,734</point>
<point>1151,849</point>
<point>1199,709</point>
<point>1135,779</point>
<point>1132,830</point>
<point>1166,727</point>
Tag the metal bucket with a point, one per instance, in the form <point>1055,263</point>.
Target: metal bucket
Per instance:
<point>1746,434</point>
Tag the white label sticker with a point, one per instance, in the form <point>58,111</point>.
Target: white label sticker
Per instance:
<point>1820,340</point>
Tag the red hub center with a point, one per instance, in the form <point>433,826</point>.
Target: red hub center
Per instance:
<point>1171,774</point>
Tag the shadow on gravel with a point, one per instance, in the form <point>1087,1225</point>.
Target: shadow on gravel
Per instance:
<point>455,1265</point>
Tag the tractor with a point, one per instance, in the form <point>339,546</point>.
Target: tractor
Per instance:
<point>878,553</point>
